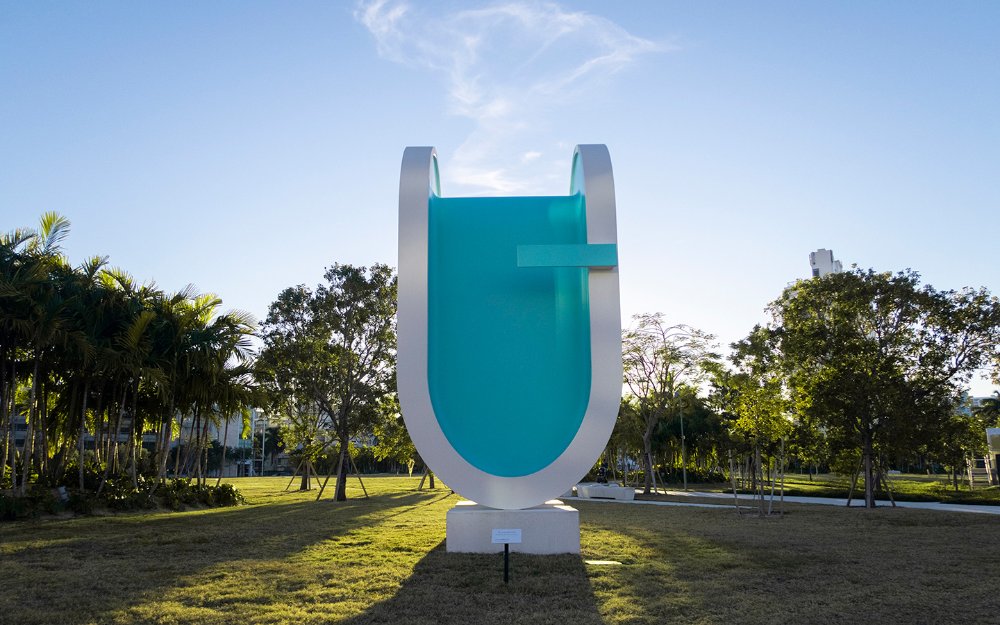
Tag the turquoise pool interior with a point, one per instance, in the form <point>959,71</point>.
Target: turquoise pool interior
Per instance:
<point>508,346</point>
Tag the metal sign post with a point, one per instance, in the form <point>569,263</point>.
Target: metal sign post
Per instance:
<point>506,536</point>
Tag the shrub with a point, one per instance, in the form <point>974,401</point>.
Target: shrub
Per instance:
<point>81,502</point>
<point>119,494</point>
<point>13,507</point>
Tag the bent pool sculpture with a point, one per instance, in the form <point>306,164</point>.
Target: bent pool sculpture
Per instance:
<point>509,357</point>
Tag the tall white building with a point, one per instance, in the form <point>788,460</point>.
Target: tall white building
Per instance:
<point>822,263</point>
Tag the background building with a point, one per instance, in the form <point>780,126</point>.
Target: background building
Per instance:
<point>822,263</point>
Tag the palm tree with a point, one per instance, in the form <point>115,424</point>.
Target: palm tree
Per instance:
<point>136,362</point>
<point>48,330</point>
<point>88,349</point>
<point>89,312</point>
<point>19,271</point>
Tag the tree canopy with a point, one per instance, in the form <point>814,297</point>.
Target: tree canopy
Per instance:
<point>661,364</point>
<point>329,355</point>
<point>91,360</point>
<point>877,360</point>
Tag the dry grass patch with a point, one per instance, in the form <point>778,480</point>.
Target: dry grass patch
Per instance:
<point>288,559</point>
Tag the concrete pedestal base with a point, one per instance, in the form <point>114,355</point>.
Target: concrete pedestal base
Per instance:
<point>549,528</point>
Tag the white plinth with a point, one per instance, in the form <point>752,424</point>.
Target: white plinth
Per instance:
<point>552,527</point>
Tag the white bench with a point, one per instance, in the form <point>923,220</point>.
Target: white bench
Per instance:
<point>605,491</point>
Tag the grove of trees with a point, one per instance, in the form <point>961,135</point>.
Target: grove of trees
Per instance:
<point>90,360</point>
<point>864,366</point>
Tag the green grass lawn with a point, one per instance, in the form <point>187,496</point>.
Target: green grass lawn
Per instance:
<point>907,487</point>
<point>285,558</point>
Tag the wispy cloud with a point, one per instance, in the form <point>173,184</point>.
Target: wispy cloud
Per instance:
<point>507,67</point>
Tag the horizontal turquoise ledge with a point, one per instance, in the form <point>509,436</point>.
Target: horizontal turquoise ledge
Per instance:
<point>585,255</point>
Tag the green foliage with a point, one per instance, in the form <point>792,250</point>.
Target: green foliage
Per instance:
<point>120,495</point>
<point>671,475</point>
<point>177,494</point>
<point>82,502</point>
<point>88,353</point>
<point>879,362</point>
<point>989,410</point>
<point>12,508</point>
<point>663,367</point>
<point>328,358</point>
<point>392,441</point>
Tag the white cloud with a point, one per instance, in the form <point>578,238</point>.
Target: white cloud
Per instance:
<point>506,67</point>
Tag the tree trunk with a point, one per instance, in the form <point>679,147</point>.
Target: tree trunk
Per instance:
<point>113,444</point>
<point>177,456</point>
<point>189,449</point>
<point>29,438</point>
<point>732,479</point>
<point>759,476</point>
<point>203,457</point>
<point>6,429</point>
<point>83,428</point>
<point>116,434</point>
<point>782,477</point>
<point>304,483</point>
<point>130,450</point>
<point>222,466</point>
<point>772,471</point>
<point>163,458</point>
<point>163,443</point>
<point>43,428</point>
<point>99,427</point>
<point>340,468</point>
<point>6,434</point>
<point>647,459</point>
<point>340,493</point>
<point>869,470</point>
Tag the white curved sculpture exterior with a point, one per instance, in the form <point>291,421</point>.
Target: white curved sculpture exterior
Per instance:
<point>419,181</point>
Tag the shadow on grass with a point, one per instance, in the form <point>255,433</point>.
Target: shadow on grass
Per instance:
<point>469,588</point>
<point>88,569</point>
<point>815,565</point>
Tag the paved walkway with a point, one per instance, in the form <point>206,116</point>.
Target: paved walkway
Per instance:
<point>824,501</point>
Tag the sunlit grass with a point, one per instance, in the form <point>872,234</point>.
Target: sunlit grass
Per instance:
<point>906,487</point>
<point>286,558</point>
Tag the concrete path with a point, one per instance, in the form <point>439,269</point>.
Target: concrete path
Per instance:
<point>824,501</point>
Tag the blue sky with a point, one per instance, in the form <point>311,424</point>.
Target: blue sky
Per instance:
<point>245,146</point>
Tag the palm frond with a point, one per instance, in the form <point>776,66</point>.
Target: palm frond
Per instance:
<point>52,229</point>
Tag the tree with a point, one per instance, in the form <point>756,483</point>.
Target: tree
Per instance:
<point>989,410</point>
<point>659,361</point>
<point>392,441</point>
<point>286,370</point>
<point>626,440</point>
<point>878,360</point>
<point>335,349</point>
<point>962,435</point>
<point>89,355</point>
